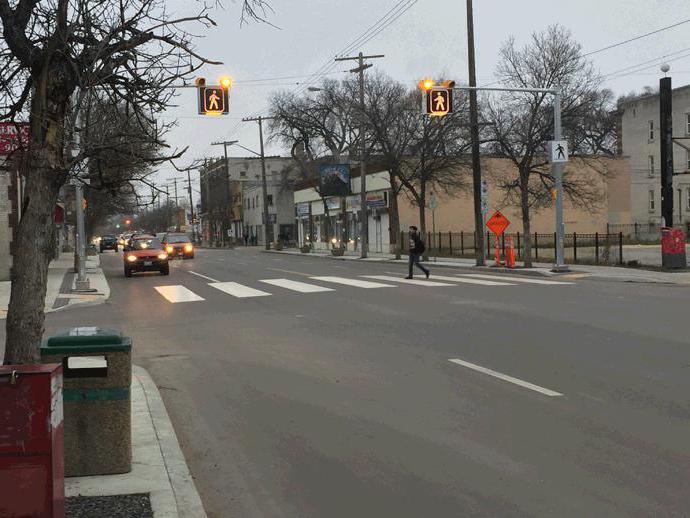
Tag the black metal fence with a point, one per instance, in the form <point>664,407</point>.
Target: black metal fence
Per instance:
<point>597,248</point>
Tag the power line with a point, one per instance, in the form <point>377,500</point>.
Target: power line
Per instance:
<point>647,64</point>
<point>614,45</point>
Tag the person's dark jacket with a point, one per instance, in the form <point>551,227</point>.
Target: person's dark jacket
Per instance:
<point>416,244</point>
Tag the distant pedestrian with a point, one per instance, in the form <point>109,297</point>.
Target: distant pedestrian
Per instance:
<point>416,250</point>
<point>246,239</point>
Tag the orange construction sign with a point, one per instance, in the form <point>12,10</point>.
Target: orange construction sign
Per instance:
<point>497,223</point>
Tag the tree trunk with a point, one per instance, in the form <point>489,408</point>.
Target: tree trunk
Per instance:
<point>35,245</point>
<point>526,225</point>
<point>32,252</point>
<point>422,225</point>
<point>394,217</point>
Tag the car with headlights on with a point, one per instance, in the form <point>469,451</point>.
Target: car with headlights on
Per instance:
<point>145,254</point>
<point>108,242</point>
<point>178,245</point>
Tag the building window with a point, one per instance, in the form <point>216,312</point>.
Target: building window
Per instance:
<point>687,123</point>
<point>687,160</point>
<point>651,201</point>
<point>651,130</point>
<point>270,199</point>
<point>687,198</point>
<point>651,165</point>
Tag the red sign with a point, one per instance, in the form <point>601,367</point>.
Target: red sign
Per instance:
<point>13,136</point>
<point>497,223</point>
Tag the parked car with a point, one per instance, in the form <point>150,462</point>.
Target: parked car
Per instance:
<point>108,243</point>
<point>178,245</point>
<point>145,254</point>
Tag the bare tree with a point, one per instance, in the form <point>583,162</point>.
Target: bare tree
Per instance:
<point>522,123</point>
<point>53,57</point>
<point>320,128</point>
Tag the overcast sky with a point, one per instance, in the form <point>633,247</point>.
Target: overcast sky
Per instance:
<point>429,39</point>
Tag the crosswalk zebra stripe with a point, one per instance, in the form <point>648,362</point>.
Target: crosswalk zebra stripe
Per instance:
<point>525,280</point>
<point>470,281</point>
<point>406,281</point>
<point>177,294</point>
<point>301,287</point>
<point>238,290</point>
<point>357,283</point>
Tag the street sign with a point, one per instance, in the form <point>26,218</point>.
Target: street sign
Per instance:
<point>213,100</point>
<point>558,151</point>
<point>485,197</point>
<point>497,223</point>
<point>439,101</point>
<point>433,202</point>
<point>13,136</point>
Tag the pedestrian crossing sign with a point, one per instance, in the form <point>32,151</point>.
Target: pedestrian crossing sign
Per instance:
<point>439,101</point>
<point>213,100</point>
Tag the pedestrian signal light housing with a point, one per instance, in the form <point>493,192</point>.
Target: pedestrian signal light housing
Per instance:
<point>448,83</point>
<point>200,81</point>
<point>226,82</point>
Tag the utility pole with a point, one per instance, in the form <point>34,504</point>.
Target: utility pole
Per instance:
<point>666,143</point>
<point>167,208</point>
<point>474,135</point>
<point>191,203</point>
<point>177,208</point>
<point>364,237</point>
<point>264,188</point>
<point>225,145</point>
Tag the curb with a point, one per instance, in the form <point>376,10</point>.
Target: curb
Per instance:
<point>187,499</point>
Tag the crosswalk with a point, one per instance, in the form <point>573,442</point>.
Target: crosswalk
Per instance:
<point>322,284</point>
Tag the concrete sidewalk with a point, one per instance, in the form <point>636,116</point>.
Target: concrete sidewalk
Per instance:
<point>159,469</point>
<point>602,272</point>
<point>61,279</point>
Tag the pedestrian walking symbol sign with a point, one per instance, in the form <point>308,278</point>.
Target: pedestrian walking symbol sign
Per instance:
<point>558,151</point>
<point>497,223</point>
<point>439,101</point>
<point>213,100</point>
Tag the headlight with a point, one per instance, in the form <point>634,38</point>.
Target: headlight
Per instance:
<point>162,256</point>
<point>169,249</point>
<point>131,258</point>
<point>188,248</point>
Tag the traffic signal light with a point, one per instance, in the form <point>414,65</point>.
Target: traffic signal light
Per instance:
<point>426,84</point>
<point>448,83</point>
<point>200,82</point>
<point>226,82</point>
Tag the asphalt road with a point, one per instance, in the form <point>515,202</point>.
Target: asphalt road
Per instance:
<point>344,403</point>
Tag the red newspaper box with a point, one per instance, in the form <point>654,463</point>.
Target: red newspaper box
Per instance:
<point>32,482</point>
<point>673,248</point>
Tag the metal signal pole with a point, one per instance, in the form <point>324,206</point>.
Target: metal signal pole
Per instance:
<point>364,237</point>
<point>474,131</point>
<point>225,145</point>
<point>666,144</point>
<point>191,204</point>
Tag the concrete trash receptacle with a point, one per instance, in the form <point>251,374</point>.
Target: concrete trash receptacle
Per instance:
<point>97,366</point>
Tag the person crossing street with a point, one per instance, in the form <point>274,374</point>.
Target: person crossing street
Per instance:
<point>416,250</point>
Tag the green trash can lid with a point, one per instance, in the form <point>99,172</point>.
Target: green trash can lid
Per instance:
<point>86,339</point>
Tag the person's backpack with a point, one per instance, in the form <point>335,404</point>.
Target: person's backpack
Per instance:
<point>421,247</point>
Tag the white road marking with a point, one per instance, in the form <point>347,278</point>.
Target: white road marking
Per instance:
<point>290,271</point>
<point>177,294</point>
<point>509,379</point>
<point>301,287</point>
<point>469,281</point>
<point>238,290</point>
<point>406,281</point>
<point>353,282</point>
<point>204,277</point>
<point>514,279</point>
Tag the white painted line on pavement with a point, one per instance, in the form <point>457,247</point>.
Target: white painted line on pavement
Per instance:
<point>301,287</point>
<point>469,281</point>
<point>513,279</point>
<point>238,290</point>
<point>290,271</point>
<point>204,277</point>
<point>406,281</point>
<point>353,282</point>
<point>177,294</point>
<point>509,379</point>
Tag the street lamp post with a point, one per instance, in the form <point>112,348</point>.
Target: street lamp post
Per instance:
<point>264,187</point>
